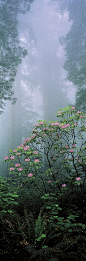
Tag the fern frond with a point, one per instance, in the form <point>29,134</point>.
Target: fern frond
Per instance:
<point>39,226</point>
<point>41,252</point>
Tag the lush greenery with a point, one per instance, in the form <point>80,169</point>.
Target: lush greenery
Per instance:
<point>47,174</point>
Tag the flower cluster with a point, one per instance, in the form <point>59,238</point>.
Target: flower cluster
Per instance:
<point>65,125</point>
<point>17,165</point>
<point>6,158</point>
<point>54,148</point>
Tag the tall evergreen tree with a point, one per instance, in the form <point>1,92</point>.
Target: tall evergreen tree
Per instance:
<point>11,53</point>
<point>75,48</point>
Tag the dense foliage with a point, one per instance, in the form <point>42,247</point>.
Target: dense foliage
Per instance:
<point>55,151</point>
<point>11,53</point>
<point>48,173</point>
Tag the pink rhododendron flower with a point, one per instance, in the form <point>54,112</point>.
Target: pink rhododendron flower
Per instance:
<point>35,152</point>
<point>74,146</point>
<point>12,168</point>
<point>34,130</point>
<point>30,175</point>
<point>67,147</point>
<point>81,116</point>
<point>63,185</point>
<point>43,135</point>
<point>78,178</point>
<point>26,148</point>
<point>18,153</point>
<point>79,160</point>
<point>55,124</point>
<point>71,150</point>
<point>27,159</point>
<point>78,111</point>
<point>18,147</point>
<point>28,139</point>
<point>17,165</point>
<point>33,136</point>
<point>73,108</point>
<point>20,169</point>
<point>42,122</point>
<point>36,125</point>
<point>75,123</point>
<point>61,151</point>
<point>59,112</point>
<point>6,158</point>
<point>49,181</point>
<point>14,150</point>
<point>36,160</point>
<point>12,157</point>
<point>63,126</point>
<point>66,125</point>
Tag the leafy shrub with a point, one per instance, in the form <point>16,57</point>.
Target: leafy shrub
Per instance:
<point>49,172</point>
<point>30,200</point>
<point>54,155</point>
<point>7,197</point>
<point>48,235</point>
<point>52,160</point>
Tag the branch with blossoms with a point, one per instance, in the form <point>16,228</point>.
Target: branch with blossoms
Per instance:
<point>52,153</point>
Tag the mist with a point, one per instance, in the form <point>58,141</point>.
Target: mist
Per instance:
<point>40,85</point>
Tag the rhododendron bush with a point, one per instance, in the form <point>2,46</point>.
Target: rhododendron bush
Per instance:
<point>54,154</point>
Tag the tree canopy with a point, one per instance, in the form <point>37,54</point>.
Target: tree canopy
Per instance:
<point>11,53</point>
<point>75,47</point>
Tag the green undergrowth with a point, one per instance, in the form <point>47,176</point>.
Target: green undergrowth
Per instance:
<point>47,227</point>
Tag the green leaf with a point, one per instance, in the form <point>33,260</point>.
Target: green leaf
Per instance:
<point>3,211</point>
<point>48,207</point>
<point>69,230</point>
<point>10,211</point>
<point>39,238</point>
<point>44,246</point>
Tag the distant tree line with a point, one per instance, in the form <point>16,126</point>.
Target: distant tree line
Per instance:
<point>75,47</point>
